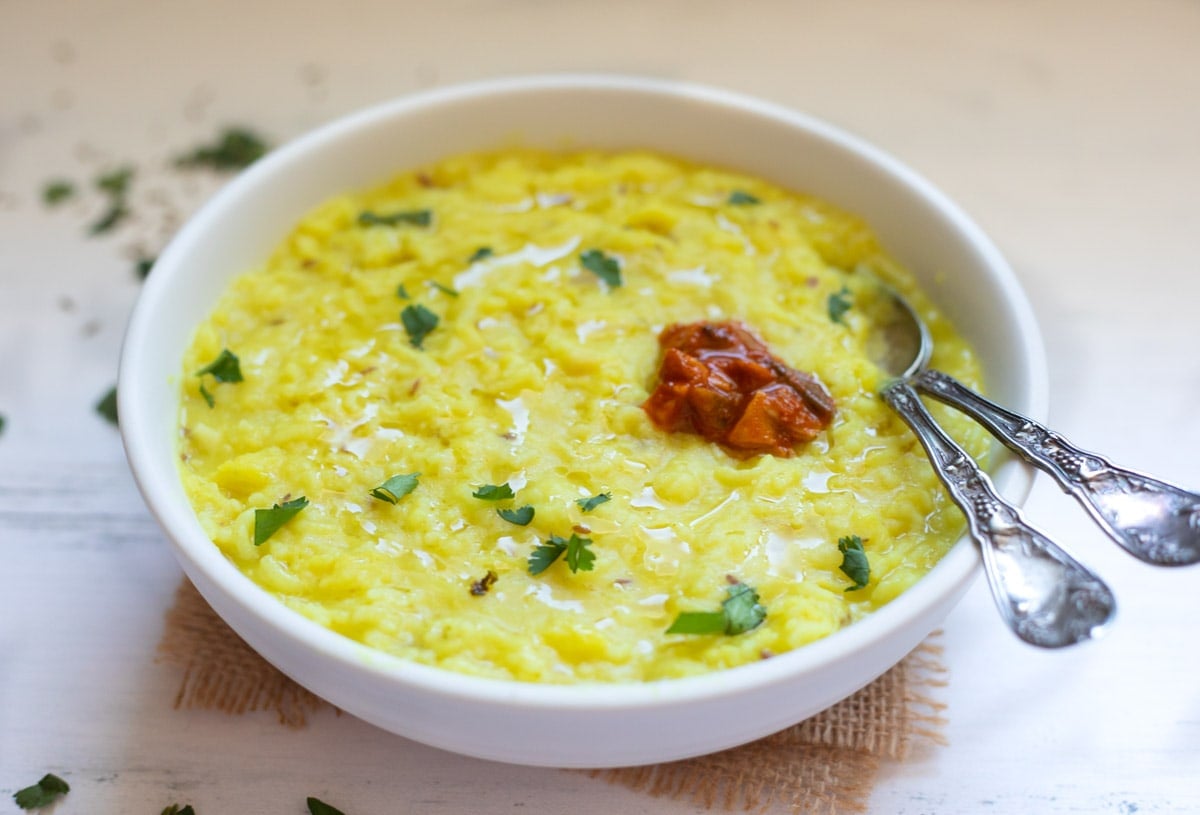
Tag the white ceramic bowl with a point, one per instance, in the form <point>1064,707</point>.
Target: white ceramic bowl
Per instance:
<point>588,725</point>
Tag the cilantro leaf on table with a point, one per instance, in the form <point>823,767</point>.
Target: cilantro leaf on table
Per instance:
<point>107,406</point>
<point>235,149</point>
<point>41,794</point>
<point>318,807</point>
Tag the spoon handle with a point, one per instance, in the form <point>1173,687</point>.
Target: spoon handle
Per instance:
<point>1151,519</point>
<point>1047,598</point>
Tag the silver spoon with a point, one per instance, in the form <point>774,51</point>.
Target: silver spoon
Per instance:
<point>1047,597</point>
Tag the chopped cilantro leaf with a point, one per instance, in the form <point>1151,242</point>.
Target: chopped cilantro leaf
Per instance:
<point>142,267</point>
<point>854,561</point>
<point>318,807</point>
<point>176,809</point>
<point>235,149</point>
<point>738,198</point>
<point>742,609</point>
<point>402,292</point>
<point>418,322</point>
<point>116,182</point>
<point>604,267</point>
<point>443,288</point>
<point>740,612</point>
<point>2,420</point>
<point>225,368</point>
<point>588,504</point>
<point>578,556</point>
<point>268,521</point>
<point>493,492</point>
<point>116,212</point>
<point>839,303</point>
<point>107,406</point>
<point>480,254</point>
<point>396,487</point>
<point>43,793</point>
<point>415,217</point>
<point>520,517</point>
<point>698,622</point>
<point>208,397</point>
<point>55,192</point>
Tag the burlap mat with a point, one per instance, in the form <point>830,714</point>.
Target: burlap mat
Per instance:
<point>826,765</point>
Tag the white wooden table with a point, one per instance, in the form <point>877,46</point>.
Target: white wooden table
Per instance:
<point>1070,130</point>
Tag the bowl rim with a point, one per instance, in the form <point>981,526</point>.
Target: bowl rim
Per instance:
<point>208,567</point>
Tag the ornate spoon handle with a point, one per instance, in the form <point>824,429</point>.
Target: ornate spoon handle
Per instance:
<point>1047,598</point>
<point>1154,521</point>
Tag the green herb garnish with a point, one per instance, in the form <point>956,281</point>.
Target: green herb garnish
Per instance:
<point>396,487</point>
<point>225,368</point>
<point>443,288</point>
<point>839,304</point>
<point>268,521</point>
<point>604,267</point>
<point>55,192</point>
<point>2,421</point>
<point>578,556</point>
<point>414,217</point>
<point>854,561</point>
<point>418,322</point>
<point>742,199</point>
<point>740,612</point>
<point>588,504</point>
<point>116,182</point>
<point>520,517</point>
<point>116,212</point>
<point>142,267</point>
<point>107,406</point>
<point>481,253</point>
<point>43,793</point>
<point>318,807</point>
<point>402,292</point>
<point>176,809</point>
<point>235,149</point>
<point>493,492</point>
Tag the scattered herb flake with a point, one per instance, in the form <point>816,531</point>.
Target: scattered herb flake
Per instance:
<point>116,182</point>
<point>520,517</point>
<point>481,586</point>
<point>318,807</point>
<point>414,217</point>
<point>176,809</point>
<point>208,397</point>
<point>854,561</point>
<point>235,149</point>
<point>588,504</point>
<point>225,368</point>
<point>268,521</point>
<point>43,793</point>
<point>578,556</point>
<point>738,198</point>
<point>402,292</point>
<point>2,420</point>
<point>493,492</point>
<point>107,406</point>
<point>418,322</point>
<point>480,254</point>
<point>443,288</point>
<point>740,612</point>
<point>396,487</point>
<point>604,267</point>
<point>116,212</point>
<point>839,304</point>
<point>142,267</point>
<point>55,192</point>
